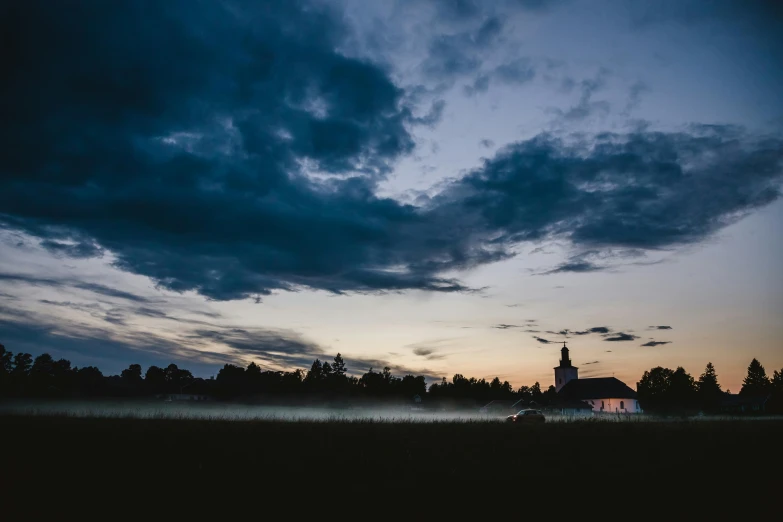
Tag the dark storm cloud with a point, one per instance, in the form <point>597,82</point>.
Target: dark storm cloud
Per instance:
<point>183,138</point>
<point>656,343</point>
<point>661,327</point>
<point>626,192</point>
<point>176,137</point>
<point>487,144</point>
<point>620,336</point>
<point>542,340</point>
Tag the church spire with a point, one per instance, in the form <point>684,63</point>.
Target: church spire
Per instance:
<point>565,360</point>
<point>566,371</point>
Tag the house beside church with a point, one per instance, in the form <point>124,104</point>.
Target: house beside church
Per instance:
<point>602,394</point>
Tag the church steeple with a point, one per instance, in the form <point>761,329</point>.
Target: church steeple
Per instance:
<point>565,372</point>
<point>564,359</point>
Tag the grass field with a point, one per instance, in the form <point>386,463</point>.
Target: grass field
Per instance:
<point>50,451</point>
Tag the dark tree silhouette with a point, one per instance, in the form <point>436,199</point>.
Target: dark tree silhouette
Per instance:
<point>756,383</point>
<point>132,374</point>
<point>155,380</point>
<point>6,361</point>
<point>777,381</point>
<point>653,388</point>
<point>535,392</point>
<point>338,367</point>
<point>315,375</point>
<point>22,364</point>
<point>709,391</point>
<point>230,381</point>
<point>90,381</point>
<point>682,394</point>
<point>42,374</point>
<point>6,367</point>
<point>776,388</point>
<point>663,390</point>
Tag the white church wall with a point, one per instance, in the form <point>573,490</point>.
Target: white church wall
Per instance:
<point>614,405</point>
<point>565,374</point>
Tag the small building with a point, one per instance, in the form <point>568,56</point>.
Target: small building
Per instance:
<point>603,394</point>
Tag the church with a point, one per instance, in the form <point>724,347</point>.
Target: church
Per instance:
<point>603,394</point>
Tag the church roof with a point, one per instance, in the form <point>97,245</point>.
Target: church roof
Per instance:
<point>596,388</point>
<point>570,404</point>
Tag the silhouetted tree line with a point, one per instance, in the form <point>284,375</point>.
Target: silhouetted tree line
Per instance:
<point>462,388</point>
<point>23,376</point>
<point>660,390</point>
<point>663,390</point>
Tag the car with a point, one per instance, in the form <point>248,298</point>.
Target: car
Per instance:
<point>527,416</point>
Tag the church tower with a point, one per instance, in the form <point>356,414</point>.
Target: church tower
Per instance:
<point>565,372</point>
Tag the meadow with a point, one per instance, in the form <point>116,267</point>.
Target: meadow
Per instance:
<point>47,448</point>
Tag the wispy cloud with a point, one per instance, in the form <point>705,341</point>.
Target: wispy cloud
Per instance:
<point>656,343</point>
<point>51,282</point>
<point>595,329</point>
<point>620,336</point>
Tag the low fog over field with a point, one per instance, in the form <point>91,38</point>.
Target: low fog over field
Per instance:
<point>240,412</point>
<point>248,412</point>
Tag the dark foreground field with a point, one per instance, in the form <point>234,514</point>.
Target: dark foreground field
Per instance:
<point>648,459</point>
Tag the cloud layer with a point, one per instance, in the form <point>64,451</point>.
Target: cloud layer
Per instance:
<point>233,150</point>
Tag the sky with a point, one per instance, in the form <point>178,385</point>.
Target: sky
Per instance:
<point>436,186</point>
